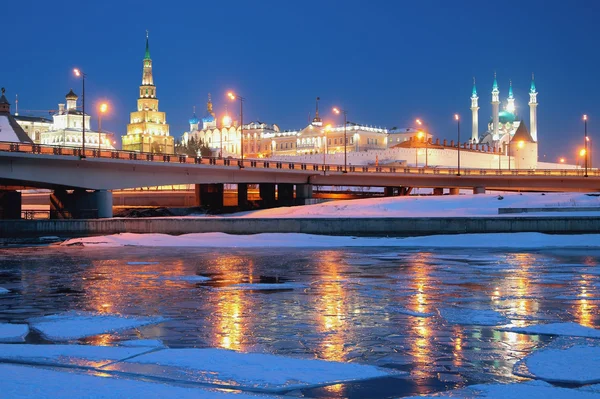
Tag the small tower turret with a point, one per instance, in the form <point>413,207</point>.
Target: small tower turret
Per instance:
<point>71,98</point>
<point>194,121</point>
<point>475,113</point>
<point>495,108</point>
<point>533,109</point>
<point>510,105</point>
<point>317,120</point>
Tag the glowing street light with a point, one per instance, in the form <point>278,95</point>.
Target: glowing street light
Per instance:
<point>457,119</point>
<point>338,111</point>
<point>420,123</point>
<point>234,97</point>
<point>102,110</point>
<point>585,141</point>
<point>562,160</point>
<point>82,75</point>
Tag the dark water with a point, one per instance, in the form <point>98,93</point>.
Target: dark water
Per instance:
<point>350,308</point>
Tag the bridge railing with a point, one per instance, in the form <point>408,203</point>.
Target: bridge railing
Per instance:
<point>266,163</point>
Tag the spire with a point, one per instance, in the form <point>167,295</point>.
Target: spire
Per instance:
<point>209,105</point>
<point>532,89</point>
<point>474,88</point>
<point>147,57</point>
<point>510,91</point>
<point>317,112</point>
<point>495,86</point>
<point>316,120</point>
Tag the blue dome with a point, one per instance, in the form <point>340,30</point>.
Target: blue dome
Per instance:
<point>208,118</point>
<point>194,120</point>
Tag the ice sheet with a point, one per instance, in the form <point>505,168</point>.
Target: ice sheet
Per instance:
<point>249,370</point>
<point>4,290</point>
<point>567,329</point>
<point>467,316</point>
<point>136,343</point>
<point>13,332</point>
<point>35,383</point>
<point>411,312</point>
<point>192,278</point>
<point>74,325</point>
<point>142,263</point>
<point>578,365</point>
<point>263,286</point>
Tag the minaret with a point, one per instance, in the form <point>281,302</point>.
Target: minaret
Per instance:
<point>317,120</point>
<point>510,106</point>
<point>475,113</point>
<point>533,109</point>
<point>495,108</point>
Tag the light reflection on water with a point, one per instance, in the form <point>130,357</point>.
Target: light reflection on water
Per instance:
<point>346,312</point>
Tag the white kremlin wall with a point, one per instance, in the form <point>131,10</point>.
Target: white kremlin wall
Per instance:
<point>436,157</point>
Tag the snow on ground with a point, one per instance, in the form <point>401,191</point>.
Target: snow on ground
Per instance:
<point>222,240</point>
<point>95,356</point>
<point>247,370</point>
<point>4,290</point>
<point>529,390</point>
<point>74,325</point>
<point>35,383</point>
<point>432,206</point>
<point>566,329</point>
<point>467,316</point>
<point>578,365</point>
<point>263,286</point>
<point>13,332</point>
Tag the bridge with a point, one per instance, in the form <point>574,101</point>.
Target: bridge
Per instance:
<point>91,176</point>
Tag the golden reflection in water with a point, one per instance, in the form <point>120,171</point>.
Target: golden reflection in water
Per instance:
<point>585,308</point>
<point>520,303</point>
<point>331,308</point>
<point>421,347</point>
<point>230,327</point>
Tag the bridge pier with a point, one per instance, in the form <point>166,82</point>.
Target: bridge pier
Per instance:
<point>438,191</point>
<point>304,193</point>
<point>81,204</point>
<point>389,191</point>
<point>454,190</point>
<point>285,194</point>
<point>210,196</point>
<point>242,195</point>
<point>10,204</point>
<point>267,194</point>
<point>478,190</point>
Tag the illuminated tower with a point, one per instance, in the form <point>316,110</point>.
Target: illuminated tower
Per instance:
<point>495,108</point>
<point>533,109</point>
<point>209,121</point>
<point>475,113</point>
<point>148,130</point>
<point>510,105</point>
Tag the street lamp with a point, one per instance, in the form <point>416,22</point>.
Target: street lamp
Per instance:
<point>426,141</point>
<point>582,154</point>
<point>420,136</point>
<point>457,118</point>
<point>236,97</point>
<point>102,110</point>
<point>562,160</point>
<point>82,75</point>
<point>339,111</point>
<point>327,128</point>
<point>585,142</point>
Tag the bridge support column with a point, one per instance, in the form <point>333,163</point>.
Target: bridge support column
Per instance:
<point>209,196</point>
<point>438,191</point>
<point>267,194</point>
<point>242,195</point>
<point>81,204</point>
<point>10,204</point>
<point>391,191</point>
<point>404,191</point>
<point>478,190</point>
<point>454,190</point>
<point>285,194</point>
<point>304,193</point>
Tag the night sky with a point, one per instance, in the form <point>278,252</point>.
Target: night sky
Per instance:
<point>385,62</point>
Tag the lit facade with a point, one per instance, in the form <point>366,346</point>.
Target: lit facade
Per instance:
<point>148,130</point>
<point>34,126</point>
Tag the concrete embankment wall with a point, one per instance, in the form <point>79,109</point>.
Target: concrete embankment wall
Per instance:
<point>327,226</point>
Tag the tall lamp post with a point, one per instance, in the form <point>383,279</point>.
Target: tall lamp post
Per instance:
<point>237,97</point>
<point>585,142</point>
<point>341,111</point>
<point>420,123</point>
<point>82,75</point>
<point>327,128</point>
<point>457,118</point>
<point>102,110</point>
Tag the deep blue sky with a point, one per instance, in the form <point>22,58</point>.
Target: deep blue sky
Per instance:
<point>385,62</point>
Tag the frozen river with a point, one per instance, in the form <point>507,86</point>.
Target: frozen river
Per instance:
<point>433,314</point>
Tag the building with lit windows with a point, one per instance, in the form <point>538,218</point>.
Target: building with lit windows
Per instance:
<point>34,126</point>
<point>148,130</point>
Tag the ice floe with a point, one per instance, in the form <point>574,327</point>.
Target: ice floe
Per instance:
<point>263,286</point>
<point>246,370</point>
<point>468,316</point>
<point>411,312</point>
<point>35,383</point>
<point>576,365</point>
<point>566,329</point>
<point>4,290</point>
<point>72,355</point>
<point>13,332</point>
<point>74,325</point>
<point>529,390</point>
<point>137,343</point>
